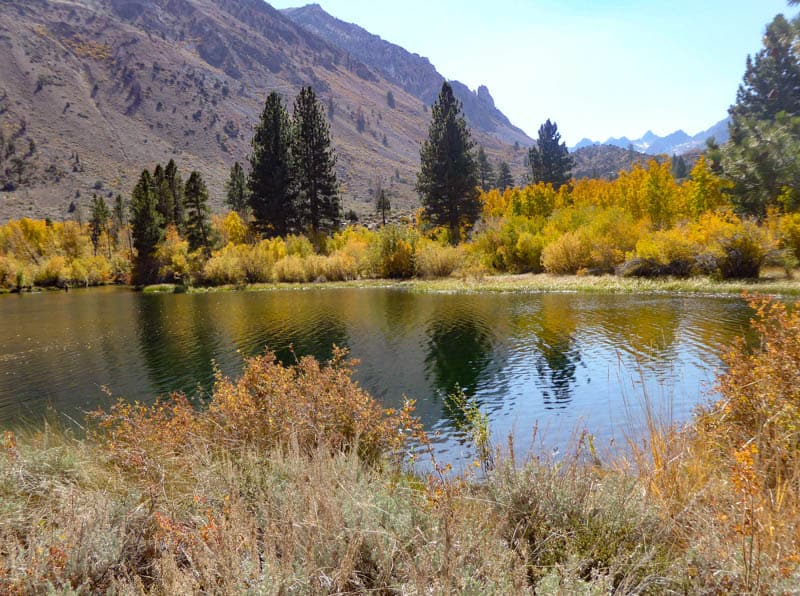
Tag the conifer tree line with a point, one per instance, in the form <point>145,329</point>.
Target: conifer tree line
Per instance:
<point>292,185</point>
<point>160,200</point>
<point>452,174</point>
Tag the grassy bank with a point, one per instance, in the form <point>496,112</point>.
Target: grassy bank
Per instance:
<point>294,479</point>
<point>772,283</point>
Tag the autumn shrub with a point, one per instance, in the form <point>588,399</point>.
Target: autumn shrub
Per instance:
<point>738,247</point>
<point>392,252</point>
<point>568,254</point>
<point>8,272</point>
<point>175,262</point>
<point>513,244</point>
<point>789,230</point>
<point>433,259</point>
<point>53,271</point>
<point>225,267</point>
<point>291,269</point>
<point>670,252</point>
<point>306,405</point>
<point>299,246</point>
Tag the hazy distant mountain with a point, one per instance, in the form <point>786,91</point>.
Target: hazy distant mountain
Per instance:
<point>412,72</point>
<point>677,142</point>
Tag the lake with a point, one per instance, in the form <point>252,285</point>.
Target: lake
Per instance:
<point>553,361</point>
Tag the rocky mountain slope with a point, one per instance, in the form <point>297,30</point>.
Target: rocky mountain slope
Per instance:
<point>92,91</point>
<point>412,72</point>
<point>675,143</point>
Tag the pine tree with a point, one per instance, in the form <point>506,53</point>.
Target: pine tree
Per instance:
<point>175,185</point>
<point>679,168</point>
<point>319,207</point>
<point>772,77</point>
<point>147,229</point>
<point>236,196</point>
<point>390,99</point>
<point>448,179</point>
<point>166,206</point>
<point>762,159</point>
<point>198,227</point>
<point>271,183</point>
<point>504,178</point>
<point>121,220</point>
<point>98,222</point>
<point>485,171</point>
<point>382,204</point>
<point>550,160</point>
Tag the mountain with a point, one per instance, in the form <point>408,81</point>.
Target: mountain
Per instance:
<point>606,161</point>
<point>93,91</point>
<point>414,73</point>
<point>675,143</point>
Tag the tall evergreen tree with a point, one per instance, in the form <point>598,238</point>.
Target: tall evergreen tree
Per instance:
<point>236,195</point>
<point>504,178</point>
<point>772,77</point>
<point>762,159</point>
<point>382,204</point>
<point>485,170</point>
<point>147,229</point>
<point>550,160</point>
<point>121,220</point>
<point>175,185</point>
<point>319,207</point>
<point>166,206</point>
<point>98,222</point>
<point>448,179</point>
<point>271,182</point>
<point>198,226</point>
<point>679,168</point>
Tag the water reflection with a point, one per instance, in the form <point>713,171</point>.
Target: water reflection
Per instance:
<point>528,359</point>
<point>459,351</point>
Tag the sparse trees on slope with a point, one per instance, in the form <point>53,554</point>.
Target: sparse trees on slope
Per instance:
<point>448,179</point>
<point>314,160</point>
<point>198,227</point>
<point>271,184</point>
<point>549,160</point>
<point>147,230</point>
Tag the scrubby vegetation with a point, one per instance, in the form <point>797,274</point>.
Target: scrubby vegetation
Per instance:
<point>642,224</point>
<point>293,478</point>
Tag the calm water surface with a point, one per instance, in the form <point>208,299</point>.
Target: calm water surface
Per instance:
<point>555,362</point>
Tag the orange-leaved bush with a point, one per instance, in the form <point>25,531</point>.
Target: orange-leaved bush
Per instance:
<point>308,405</point>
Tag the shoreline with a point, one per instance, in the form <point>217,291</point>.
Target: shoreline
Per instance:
<point>525,283</point>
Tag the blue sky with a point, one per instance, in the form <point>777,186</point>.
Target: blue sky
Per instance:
<point>599,68</point>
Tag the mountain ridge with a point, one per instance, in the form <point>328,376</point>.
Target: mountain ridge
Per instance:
<point>407,69</point>
<point>677,142</point>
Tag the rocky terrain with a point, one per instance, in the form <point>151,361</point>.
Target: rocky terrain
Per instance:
<point>92,91</point>
<point>414,73</point>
